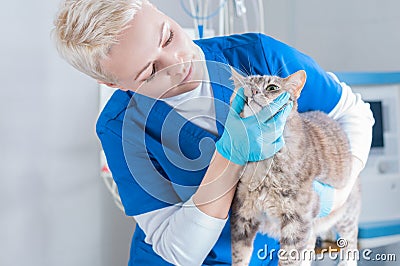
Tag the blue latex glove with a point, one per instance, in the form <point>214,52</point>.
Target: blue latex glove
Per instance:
<point>326,197</point>
<point>256,137</point>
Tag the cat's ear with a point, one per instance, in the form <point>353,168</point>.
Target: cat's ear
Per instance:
<point>237,78</point>
<point>237,82</point>
<point>296,82</point>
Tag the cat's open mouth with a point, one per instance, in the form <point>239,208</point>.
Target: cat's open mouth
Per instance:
<point>249,100</point>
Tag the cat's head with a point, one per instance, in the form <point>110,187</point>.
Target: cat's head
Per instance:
<point>260,91</point>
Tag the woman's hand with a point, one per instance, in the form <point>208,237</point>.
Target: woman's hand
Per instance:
<point>331,199</point>
<point>256,137</point>
<point>326,197</point>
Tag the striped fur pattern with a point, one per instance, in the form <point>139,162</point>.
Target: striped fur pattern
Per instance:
<point>276,196</point>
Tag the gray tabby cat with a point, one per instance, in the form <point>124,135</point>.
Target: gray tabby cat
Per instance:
<point>276,196</point>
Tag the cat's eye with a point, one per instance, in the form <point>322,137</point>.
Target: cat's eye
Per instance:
<point>272,87</point>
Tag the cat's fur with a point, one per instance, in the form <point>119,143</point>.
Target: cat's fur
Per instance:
<point>276,196</point>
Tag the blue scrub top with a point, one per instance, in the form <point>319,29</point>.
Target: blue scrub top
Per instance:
<point>158,158</point>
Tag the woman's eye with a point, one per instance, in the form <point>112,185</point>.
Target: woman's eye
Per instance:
<point>153,72</point>
<point>272,87</point>
<point>170,38</point>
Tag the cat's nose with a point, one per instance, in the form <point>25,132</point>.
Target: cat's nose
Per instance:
<point>255,91</point>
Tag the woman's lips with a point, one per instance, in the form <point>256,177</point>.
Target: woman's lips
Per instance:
<point>189,75</point>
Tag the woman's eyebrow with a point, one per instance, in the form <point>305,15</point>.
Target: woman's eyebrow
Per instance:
<point>164,28</point>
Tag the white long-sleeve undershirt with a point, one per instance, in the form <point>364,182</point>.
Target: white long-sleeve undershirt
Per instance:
<point>181,235</point>
<point>184,235</point>
<point>356,119</point>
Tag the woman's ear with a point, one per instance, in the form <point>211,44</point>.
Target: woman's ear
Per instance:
<point>108,84</point>
<point>112,85</point>
<point>296,82</point>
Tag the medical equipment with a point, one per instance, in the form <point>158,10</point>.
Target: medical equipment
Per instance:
<point>227,11</point>
<point>238,9</point>
<point>105,173</point>
<point>380,179</point>
<point>199,15</point>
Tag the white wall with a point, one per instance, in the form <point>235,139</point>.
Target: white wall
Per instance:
<point>54,208</point>
<point>342,35</point>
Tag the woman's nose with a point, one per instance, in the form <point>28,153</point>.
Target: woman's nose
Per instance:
<point>174,64</point>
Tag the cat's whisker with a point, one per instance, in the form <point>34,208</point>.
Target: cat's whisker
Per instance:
<point>278,71</point>
<point>245,70</point>
<point>250,68</point>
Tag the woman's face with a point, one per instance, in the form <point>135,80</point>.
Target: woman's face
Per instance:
<point>154,57</point>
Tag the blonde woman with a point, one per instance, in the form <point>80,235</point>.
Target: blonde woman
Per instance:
<point>173,145</point>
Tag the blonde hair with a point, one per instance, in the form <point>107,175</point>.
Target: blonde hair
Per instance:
<point>85,30</point>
